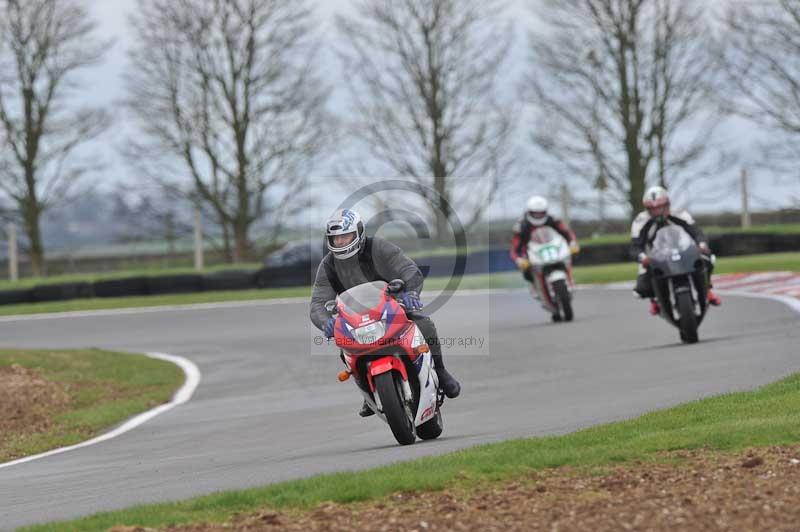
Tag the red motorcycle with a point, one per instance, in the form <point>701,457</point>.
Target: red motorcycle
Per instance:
<point>389,359</point>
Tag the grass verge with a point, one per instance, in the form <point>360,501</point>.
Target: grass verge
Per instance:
<point>97,389</point>
<point>610,273</point>
<point>30,282</point>
<point>626,271</point>
<point>603,273</point>
<point>712,230</point>
<point>767,416</point>
<point>153,301</point>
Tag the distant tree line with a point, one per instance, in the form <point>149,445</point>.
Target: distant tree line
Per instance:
<point>228,101</point>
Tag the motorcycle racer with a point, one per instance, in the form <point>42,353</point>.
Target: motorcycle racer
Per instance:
<point>656,215</point>
<point>536,216</point>
<point>353,258</point>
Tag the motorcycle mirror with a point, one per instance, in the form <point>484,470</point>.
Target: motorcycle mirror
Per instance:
<point>330,306</point>
<point>395,286</point>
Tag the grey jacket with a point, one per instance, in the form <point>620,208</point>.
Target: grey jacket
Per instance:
<point>390,263</point>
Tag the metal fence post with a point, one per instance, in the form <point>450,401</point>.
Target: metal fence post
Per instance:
<point>13,257</point>
<point>746,222</point>
<point>198,241</point>
<point>565,200</point>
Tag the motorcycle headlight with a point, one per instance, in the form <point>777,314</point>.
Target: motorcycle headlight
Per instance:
<point>370,333</point>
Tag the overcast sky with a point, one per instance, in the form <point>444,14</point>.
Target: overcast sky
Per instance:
<point>106,87</point>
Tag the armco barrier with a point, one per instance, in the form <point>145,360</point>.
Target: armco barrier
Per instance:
<point>283,276</point>
<point>730,244</point>
<point>446,265</point>
<point>498,260</point>
<point>130,286</point>
<point>229,280</point>
<point>13,297</point>
<point>61,292</point>
<point>603,254</point>
<point>175,284</point>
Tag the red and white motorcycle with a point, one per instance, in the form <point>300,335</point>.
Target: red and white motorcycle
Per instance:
<point>389,359</point>
<point>550,259</point>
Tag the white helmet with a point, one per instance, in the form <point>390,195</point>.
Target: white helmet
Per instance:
<point>536,210</point>
<point>343,222</point>
<point>656,201</point>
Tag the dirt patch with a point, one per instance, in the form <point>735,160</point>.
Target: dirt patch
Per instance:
<point>754,490</point>
<point>28,401</point>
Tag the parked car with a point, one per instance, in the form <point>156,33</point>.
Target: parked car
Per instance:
<point>292,264</point>
<point>294,253</point>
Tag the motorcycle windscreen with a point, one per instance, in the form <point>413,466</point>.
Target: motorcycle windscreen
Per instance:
<point>670,240</point>
<point>547,246</point>
<point>360,299</point>
<point>670,247</point>
<point>544,235</point>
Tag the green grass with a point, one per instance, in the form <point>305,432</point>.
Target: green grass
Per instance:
<point>609,273</point>
<point>30,282</point>
<point>612,238</point>
<point>624,238</point>
<point>442,251</point>
<point>105,388</point>
<point>767,416</point>
<point>626,271</point>
<point>780,229</point>
<point>152,301</point>
<point>753,263</point>
<point>603,273</point>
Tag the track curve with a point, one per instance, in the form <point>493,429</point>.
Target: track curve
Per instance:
<point>267,411</point>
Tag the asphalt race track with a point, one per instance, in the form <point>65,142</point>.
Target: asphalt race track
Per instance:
<point>267,410</point>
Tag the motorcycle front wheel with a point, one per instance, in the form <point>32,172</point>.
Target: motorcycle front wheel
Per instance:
<point>688,321</point>
<point>398,415</point>
<point>563,299</point>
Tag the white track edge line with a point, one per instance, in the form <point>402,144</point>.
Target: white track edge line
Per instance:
<point>151,309</point>
<point>206,306</point>
<point>791,302</point>
<point>183,394</point>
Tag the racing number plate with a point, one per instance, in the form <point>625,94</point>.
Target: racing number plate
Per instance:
<point>548,253</point>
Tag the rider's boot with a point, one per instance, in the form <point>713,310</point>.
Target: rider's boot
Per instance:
<point>655,309</point>
<point>366,411</point>
<point>534,292</point>
<point>447,382</point>
<point>714,298</point>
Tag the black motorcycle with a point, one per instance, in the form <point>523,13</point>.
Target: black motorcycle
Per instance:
<point>680,280</point>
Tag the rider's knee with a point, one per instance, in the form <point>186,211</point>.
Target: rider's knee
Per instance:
<point>425,324</point>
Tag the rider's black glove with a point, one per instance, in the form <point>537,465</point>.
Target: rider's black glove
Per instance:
<point>410,300</point>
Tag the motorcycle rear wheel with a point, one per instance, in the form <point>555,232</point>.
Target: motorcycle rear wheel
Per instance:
<point>397,415</point>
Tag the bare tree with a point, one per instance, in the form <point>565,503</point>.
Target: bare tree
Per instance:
<point>763,60</point>
<point>623,91</point>
<point>225,94</point>
<point>44,44</point>
<point>422,76</point>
